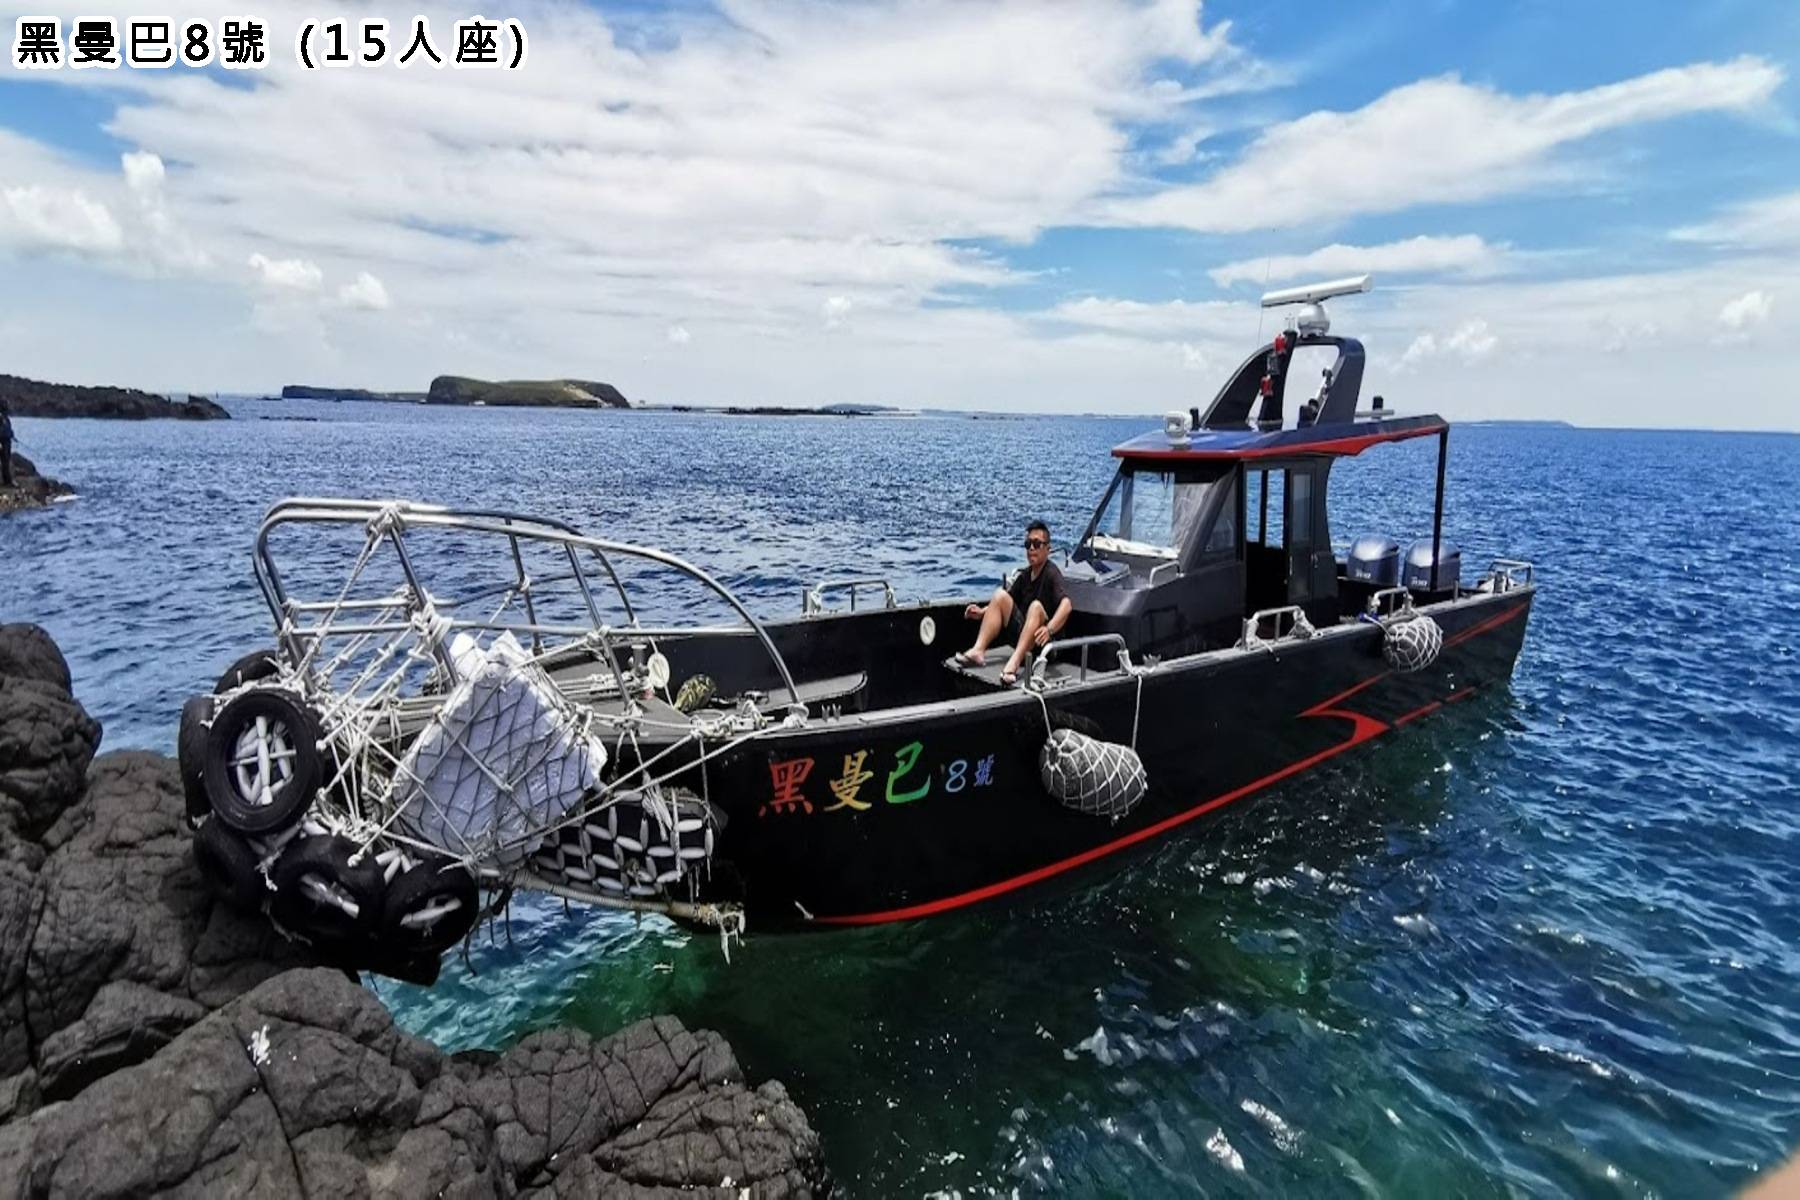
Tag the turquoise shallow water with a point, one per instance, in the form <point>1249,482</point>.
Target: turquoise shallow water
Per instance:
<point>1544,944</point>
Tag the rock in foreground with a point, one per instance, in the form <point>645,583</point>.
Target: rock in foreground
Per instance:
<point>152,1040</point>
<point>30,489</point>
<point>32,398</point>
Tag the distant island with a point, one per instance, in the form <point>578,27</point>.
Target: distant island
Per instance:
<point>458,389</point>
<point>526,393</point>
<point>773,410</point>
<point>34,398</point>
<point>301,391</point>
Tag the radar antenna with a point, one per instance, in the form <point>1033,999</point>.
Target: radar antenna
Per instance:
<point>1312,319</point>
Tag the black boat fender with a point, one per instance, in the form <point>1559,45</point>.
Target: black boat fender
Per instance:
<point>253,667</point>
<point>325,892</point>
<point>190,753</point>
<point>429,908</point>
<point>1091,776</point>
<point>230,865</point>
<point>1412,643</point>
<point>259,731</point>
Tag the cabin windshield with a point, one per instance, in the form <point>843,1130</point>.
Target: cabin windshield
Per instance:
<point>1150,513</point>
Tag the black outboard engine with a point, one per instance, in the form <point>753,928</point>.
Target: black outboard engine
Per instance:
<point>1375,559</point>
<point>1418,566</point>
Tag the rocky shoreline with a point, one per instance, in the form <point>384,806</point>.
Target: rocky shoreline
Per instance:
<point>30,489</point>
<point>154,1041</point>
<point>34,398</point>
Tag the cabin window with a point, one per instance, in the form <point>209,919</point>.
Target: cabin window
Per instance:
<point>1224,536</point>
<point>1151,514</point>
<point>1300,490</point>
<point>1266,506</point>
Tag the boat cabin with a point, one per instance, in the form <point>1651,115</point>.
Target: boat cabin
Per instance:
<point>1223,514</point>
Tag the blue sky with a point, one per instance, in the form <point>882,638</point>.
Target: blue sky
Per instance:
<point>1582,211</point>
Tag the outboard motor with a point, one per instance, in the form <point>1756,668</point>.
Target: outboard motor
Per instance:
<point>1375,559</point>
<point>1418,566</point>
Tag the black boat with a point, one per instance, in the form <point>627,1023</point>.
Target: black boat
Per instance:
<point>1225,642</point>
<point>834,768</point>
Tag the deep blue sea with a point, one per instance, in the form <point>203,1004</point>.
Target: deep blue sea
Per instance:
<point>1547,943</point>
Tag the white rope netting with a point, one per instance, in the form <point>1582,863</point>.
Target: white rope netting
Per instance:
<point>1412,644</point>
<point>1091,776</point>
<point>503,759</point>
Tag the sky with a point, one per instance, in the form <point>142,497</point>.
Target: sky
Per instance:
<point>1588,212</point>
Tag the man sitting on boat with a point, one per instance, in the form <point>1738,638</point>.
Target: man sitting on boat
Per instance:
<point>1037,606</point>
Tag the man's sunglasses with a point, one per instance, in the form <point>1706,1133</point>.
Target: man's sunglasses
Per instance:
<point>1035,543</point>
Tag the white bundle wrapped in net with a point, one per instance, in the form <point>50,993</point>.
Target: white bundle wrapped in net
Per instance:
<point>1091,776</point>
<point>504,758</point>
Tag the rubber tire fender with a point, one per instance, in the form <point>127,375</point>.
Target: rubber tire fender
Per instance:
<point>291,798</point>
<point>422,886</point>
<point>230,866</point>
<point>253,667</point>
<point>190,752</point>
<point>327,857</point>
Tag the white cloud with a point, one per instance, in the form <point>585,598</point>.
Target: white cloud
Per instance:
<point>144,173</point>
<point>1173,318</point>
<point>286,274</point>
<point>834,313</point>
<point>1435,141</point>
<point>1768,222</point>
<point>1193,358</point>
<point>1470,342</point>
<point>1466,254</point>
<point>1748,310</point>
<point>742,172</point>
<point>366,293</point>
<point>678,335</point>
<point>36,217</point>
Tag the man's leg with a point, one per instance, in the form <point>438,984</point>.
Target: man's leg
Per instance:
<point>999,612</point>
<point>1035,619</point>
<point>6,479</point>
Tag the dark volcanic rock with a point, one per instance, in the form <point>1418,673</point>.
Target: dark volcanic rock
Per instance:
<point>526,393</point>
<point>305,1087</point>
<point>46,738</point>
<point>32,398</point>
<point>153,1040</point>
<point>199,408</point>
<point>30,654</point>
<point>30,489</point>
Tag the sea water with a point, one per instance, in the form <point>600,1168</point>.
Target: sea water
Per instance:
<point>1545,943</point>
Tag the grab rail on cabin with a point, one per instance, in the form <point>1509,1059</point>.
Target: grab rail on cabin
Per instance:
<point>812,600</point>
<point>1040,671</point>
<point>1298,627</point>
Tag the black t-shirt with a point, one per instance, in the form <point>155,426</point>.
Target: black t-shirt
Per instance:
<point>1047,589</point>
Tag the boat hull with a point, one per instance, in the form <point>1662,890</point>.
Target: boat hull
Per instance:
<point>905,814</point>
